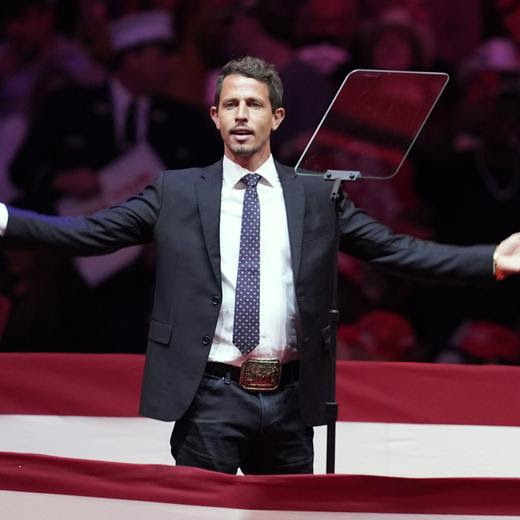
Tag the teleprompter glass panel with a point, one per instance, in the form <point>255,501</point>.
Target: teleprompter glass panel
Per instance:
<point>372,123</point>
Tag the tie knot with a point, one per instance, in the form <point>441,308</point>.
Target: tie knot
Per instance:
<point>251,179</point>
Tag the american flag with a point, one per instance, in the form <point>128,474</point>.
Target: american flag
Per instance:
<point>413,441</point>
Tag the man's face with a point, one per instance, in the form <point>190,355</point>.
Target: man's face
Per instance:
<point>245,117</point>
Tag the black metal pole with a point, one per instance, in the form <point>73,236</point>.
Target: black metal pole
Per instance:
<point>331,404</point>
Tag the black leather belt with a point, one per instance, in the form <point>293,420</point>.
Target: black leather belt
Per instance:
<point>259,375</point>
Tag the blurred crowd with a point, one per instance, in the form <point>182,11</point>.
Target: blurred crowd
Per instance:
<point>88,87</point>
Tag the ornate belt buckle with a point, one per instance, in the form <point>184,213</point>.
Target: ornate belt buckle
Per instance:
<point>260,375</point>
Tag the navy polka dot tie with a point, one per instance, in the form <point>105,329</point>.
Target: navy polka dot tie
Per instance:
<point>246,323</point>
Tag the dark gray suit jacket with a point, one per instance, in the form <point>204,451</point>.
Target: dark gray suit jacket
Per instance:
<point>180,212</point>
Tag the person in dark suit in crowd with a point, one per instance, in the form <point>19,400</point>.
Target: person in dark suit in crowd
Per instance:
<point>82,129</point>
<point>237,346</point>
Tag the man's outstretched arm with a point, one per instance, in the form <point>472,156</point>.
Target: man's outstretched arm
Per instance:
<point>126,224</point>
<point>372,241</point>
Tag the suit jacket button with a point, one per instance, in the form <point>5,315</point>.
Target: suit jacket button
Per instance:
<point>206,340</point>
<point>215,300</point>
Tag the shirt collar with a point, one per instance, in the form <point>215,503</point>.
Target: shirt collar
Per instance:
<point>122,97</point>
<point>233,172</point>
<point>120,94</point>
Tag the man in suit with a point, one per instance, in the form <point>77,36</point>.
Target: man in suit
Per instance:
<point>237,351</point>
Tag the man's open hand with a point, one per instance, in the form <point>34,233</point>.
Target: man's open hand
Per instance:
<point>507,257</point>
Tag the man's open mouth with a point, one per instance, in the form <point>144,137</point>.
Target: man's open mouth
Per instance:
<point>241,131</point>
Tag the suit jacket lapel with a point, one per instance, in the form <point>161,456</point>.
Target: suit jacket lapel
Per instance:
<point>294,196</point>
<point>209,190</point>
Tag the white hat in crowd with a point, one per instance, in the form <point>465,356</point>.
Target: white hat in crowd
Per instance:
<point>138,29</point>
<point>495,54</point>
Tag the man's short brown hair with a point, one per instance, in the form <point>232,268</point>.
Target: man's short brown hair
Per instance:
<point>255,68</point>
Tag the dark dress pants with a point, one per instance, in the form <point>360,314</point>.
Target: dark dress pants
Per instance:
<point>227,428</point>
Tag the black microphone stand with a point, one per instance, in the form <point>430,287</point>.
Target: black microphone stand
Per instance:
<point>331,406</point>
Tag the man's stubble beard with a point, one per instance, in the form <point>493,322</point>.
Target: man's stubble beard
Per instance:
<point>244,150</point>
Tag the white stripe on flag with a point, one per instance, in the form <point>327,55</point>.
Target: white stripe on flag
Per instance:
<point>385,449</point>
<point>117,439</point>
<point>22,506</point>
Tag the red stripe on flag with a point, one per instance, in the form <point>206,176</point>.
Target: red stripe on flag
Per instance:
<point>71,384</point>
<point>428,393</point>
<point>109,385</point>
<point>178,485</point>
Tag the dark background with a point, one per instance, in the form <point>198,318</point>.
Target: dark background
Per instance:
<point>460,184</point>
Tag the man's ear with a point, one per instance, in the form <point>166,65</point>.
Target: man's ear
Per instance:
<point>278,116</point>
<point>213,112</point>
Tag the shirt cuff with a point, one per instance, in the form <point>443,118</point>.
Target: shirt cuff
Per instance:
<point>3,219</point>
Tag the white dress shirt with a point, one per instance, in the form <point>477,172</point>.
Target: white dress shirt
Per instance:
<point>278,313</point>
<point>277,299</point>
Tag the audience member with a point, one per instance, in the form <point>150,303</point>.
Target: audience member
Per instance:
<point>91,28</point>
<point>34,60</point>
<point>377,336</point>
<point>395,41</point>
<point>324,32</point>
<point>203,28</point>
<point>83,130</point>
<point>478,160</point>
<point>44,305</point>
<point>33,48</point>
<point>482,342</point>
<point>456,24</point>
